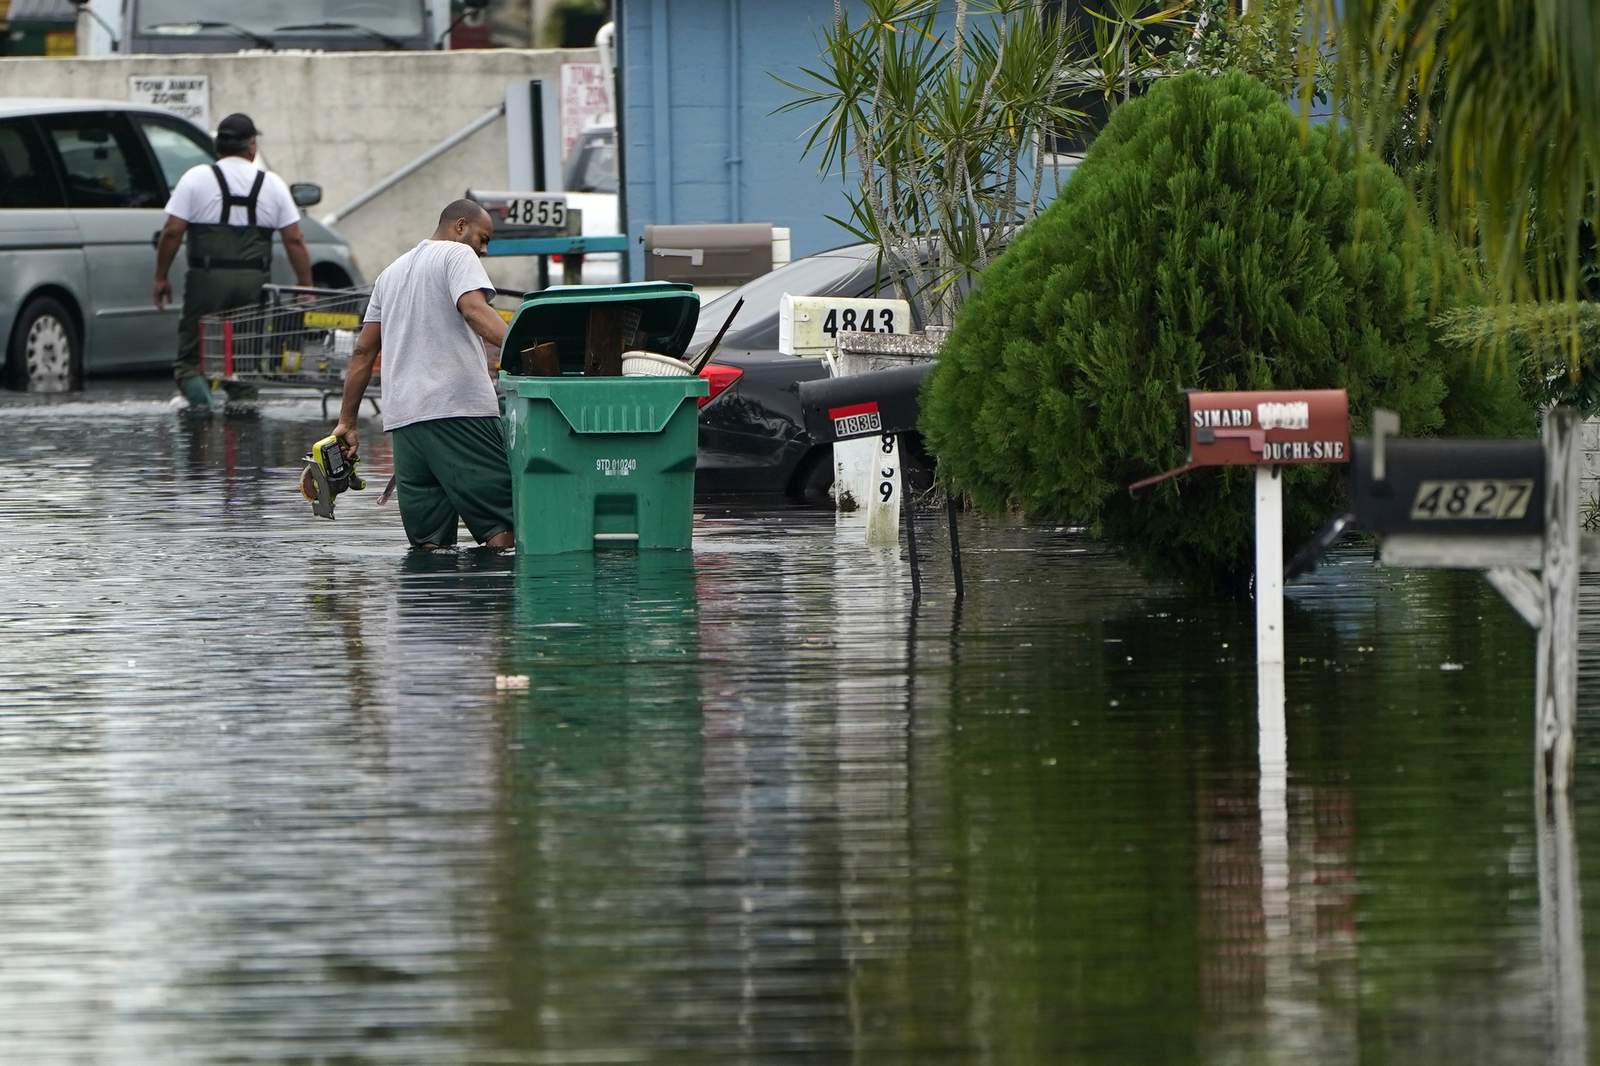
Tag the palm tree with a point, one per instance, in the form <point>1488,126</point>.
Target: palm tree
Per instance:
<point>1507,94</point>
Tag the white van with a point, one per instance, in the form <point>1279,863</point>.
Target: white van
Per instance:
<point>83,185</point>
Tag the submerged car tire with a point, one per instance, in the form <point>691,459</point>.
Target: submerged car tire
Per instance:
<point>46,351</point>
<point>813,483</point>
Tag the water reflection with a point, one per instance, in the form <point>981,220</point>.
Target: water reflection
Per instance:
<point>600,791</point>
<point>274,789</point>
<point>1561,931</point>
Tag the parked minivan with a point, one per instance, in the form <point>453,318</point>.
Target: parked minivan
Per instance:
<point>83,185</point>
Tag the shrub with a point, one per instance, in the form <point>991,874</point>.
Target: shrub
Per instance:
<point>1207,241</point>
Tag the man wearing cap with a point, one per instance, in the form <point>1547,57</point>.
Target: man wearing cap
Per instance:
<point>229,210</point>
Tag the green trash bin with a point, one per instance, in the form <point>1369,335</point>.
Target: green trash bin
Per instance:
<point>600,461</point>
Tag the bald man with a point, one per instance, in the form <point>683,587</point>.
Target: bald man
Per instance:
<point>430,316</point>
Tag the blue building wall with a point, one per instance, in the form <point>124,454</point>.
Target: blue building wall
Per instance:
<point>700,138</point>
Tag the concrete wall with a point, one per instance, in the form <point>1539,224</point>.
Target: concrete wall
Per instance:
<point>345,120</point>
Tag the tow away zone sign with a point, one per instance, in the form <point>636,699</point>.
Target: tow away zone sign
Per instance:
<point>188,95</point>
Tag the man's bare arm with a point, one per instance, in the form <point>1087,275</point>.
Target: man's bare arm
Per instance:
<point>484,320</point>
<point>166,252</point>
<point>294,245</point>
<point>356,380</point>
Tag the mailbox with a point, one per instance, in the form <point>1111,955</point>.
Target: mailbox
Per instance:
<point>1268,428</point>
<point>1263,429</point>
<point>711,254</point>
<point>524,214</point>
<point>1470,487</point>
<point>810,325</point>
<point>863,405</point>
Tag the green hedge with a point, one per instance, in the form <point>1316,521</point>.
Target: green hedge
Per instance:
<point>1207,241</point>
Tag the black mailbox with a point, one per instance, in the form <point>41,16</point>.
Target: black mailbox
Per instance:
<point>1471,487</point>
<point>863,405</point>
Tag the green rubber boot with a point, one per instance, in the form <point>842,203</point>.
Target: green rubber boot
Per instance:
<point>197,391</point>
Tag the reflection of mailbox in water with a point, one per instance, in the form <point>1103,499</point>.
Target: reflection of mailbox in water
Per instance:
<point>1268,428</point>
<point>1472,487</point>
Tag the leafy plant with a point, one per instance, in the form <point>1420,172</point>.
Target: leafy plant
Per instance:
<point>1270,40</point>
<point>935,129</point>
<point>1590,513</point>
<point>1506,104</point>
<point>1207,241</point>
<point>1533,340</point>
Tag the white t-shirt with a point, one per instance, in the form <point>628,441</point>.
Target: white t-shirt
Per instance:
<point>198,198</point>
<point>434,365</point>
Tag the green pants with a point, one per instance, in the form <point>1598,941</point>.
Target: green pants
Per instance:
<point>450,470</point>
<point>206,292</point>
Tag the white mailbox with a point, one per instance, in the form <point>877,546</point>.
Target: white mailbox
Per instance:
<point>810,325</point>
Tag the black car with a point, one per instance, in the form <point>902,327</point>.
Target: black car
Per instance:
<point>752,436</point>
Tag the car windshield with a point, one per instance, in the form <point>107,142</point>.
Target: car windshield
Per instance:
<point>398,18</point>
<point>824,274</point>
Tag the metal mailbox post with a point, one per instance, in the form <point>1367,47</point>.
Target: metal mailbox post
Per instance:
<point>1265,430</point>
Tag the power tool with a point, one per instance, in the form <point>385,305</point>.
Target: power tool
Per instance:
<point>326,474</point>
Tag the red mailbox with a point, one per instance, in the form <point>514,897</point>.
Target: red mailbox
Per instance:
<point>1264,429</point>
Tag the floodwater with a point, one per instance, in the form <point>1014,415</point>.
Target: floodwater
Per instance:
<point>274,791</point>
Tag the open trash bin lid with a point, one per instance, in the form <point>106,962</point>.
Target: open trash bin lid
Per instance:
<point>668,314</point>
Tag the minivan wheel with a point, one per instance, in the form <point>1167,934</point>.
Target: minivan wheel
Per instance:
<point>45,355</point>
<point>324,276</point>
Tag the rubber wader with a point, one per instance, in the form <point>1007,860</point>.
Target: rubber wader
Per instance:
<point>227,267</point>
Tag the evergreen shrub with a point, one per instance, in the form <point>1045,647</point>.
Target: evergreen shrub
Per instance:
<point>1207,241</point>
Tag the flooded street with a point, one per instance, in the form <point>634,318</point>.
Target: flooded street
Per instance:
<point>273,790</point>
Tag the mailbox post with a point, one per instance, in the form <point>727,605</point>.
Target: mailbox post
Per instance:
<point>1508,508</point>
<point>1265,430</point>
<point>812,326</point>
<point>879,404</point>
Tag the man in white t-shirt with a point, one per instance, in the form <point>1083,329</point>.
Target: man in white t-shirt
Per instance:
<point>430,316</point>
<point>228,210</point>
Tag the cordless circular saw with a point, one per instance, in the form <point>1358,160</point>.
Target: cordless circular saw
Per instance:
<point>326,474</point>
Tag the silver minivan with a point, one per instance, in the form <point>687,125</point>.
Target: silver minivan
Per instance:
<point>83,184</point>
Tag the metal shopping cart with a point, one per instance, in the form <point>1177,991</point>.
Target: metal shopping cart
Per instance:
<point>295,337</point>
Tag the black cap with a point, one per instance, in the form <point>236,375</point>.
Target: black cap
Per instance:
<point>237,128</point>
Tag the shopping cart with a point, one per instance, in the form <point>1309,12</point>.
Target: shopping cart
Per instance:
<point>295,337</point>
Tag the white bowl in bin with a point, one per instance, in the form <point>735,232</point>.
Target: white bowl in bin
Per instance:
<point>654,365</point>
